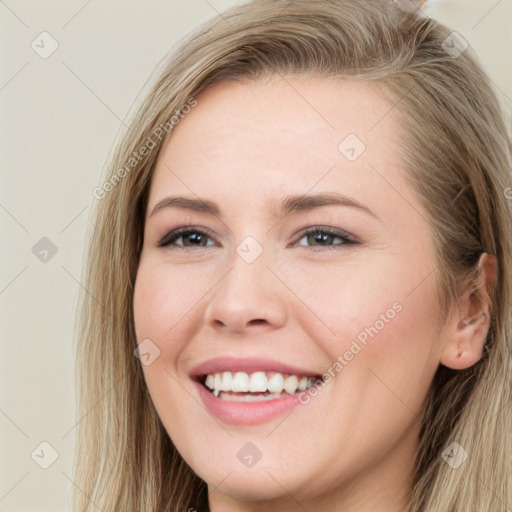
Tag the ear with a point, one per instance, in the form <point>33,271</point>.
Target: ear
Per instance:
<point>467,329</point>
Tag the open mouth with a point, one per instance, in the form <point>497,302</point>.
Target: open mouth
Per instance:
<point>256,386</point>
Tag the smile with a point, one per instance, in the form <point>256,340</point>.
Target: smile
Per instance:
<point>250,390</point>
<point>256,386</point>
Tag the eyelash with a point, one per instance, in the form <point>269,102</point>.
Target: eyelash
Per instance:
<point>170,238</point>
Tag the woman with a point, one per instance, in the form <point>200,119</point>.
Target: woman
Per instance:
<point>299,282</point>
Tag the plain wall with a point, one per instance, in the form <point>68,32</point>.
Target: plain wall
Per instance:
<point>60,116</point>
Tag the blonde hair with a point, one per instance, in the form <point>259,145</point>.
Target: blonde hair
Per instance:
<point>457,153</point>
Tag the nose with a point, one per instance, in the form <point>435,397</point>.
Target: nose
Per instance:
<point>249,296</point>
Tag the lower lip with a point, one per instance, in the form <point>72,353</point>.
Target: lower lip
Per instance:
<point>246,413</point>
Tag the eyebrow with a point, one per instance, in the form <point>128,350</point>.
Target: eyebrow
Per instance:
<point>291,204</point>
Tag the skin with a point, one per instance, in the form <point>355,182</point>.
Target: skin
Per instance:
<point>246,147</point>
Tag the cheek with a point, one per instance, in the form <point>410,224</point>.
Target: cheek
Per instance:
<point>163,299</point>
<point>160,304</point>
<point>167,304</point>
<point>390,343</point>
<point>376,323</point>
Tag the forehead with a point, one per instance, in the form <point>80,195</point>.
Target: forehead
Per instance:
<point>293,108</point>
<point>246,141</point>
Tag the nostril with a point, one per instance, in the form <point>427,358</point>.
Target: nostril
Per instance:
<point>257,321</point>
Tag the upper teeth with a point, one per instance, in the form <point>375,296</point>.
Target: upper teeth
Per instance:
<point>241,382</point>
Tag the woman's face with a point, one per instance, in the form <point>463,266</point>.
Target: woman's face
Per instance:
<point>306,255</point>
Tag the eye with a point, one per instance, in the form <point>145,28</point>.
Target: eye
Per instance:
<point>314,237</point>
<point>326,237</point>
<point>190,237</point>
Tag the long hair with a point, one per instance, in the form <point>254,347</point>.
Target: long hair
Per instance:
<point>457,156</point>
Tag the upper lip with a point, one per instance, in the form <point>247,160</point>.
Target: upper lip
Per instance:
<point>248,365</point>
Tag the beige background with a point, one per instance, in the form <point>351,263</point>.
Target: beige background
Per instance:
<point>60,116</point>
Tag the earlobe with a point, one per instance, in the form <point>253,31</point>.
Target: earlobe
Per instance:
<point>466,331</point>
<point>466,342</point>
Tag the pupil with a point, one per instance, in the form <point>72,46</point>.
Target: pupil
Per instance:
<point>194,238</point>
<point>320,237</point>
